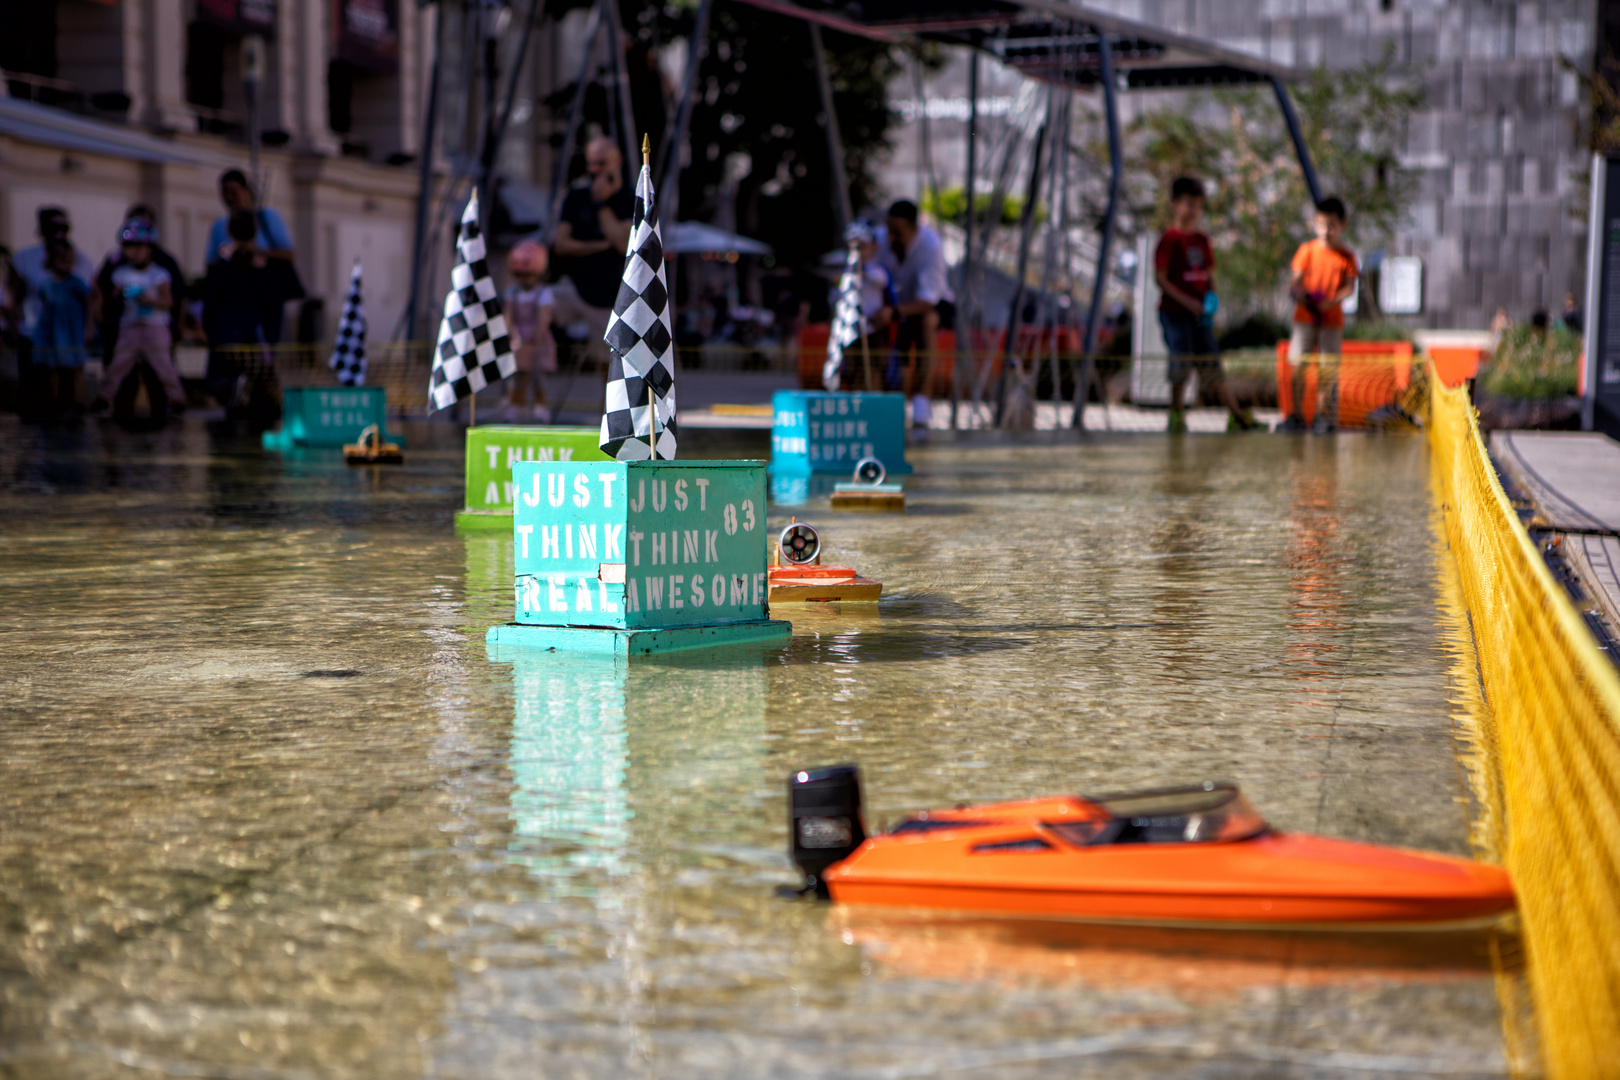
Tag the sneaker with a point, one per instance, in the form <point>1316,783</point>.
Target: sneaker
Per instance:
<point>542,415</point>
<point>1242,421</point>
<point>1178,422</point>
<point>1323,426</point>
<point>1293,422</point>
<point>100,408</point>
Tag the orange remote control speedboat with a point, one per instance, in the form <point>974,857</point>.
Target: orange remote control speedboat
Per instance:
<point>1192,855</point>
<point>797,576</point>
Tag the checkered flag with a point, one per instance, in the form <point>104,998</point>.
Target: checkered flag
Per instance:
<point>848,319</point>
<point>642,343</point>
<point>349,347</point>
<point>474,347</point>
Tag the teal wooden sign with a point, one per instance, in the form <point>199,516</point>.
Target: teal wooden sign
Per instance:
<point>329,416</point>
<point>494,449</point>
<point>813,431</point>
<point>640,544</point>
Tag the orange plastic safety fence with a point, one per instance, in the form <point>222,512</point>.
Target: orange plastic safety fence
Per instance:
<point>1554,704</point>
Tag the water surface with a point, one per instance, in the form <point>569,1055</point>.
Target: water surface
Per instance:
<point>268,811</point>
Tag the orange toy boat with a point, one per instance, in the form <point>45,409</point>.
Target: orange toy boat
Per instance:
<point>804,580</point>
<point>1189,856</point>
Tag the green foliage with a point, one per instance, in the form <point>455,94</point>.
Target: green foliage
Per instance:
<point>951,205</point>
<point>1376,330</point>
<point>1258,211</point>
<point>1531,363</point>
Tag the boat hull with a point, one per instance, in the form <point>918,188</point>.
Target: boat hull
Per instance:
<point>858,589</point>
<point>1273,880</point>
<point>820,585</point>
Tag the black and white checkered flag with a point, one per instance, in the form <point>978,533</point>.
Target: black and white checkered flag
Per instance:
<point>642,343</point>
<point>474,347</point>
<point>848,319</point>
<point>349,347</point>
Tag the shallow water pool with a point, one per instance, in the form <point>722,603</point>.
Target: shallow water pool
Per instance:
<point>268,811</point>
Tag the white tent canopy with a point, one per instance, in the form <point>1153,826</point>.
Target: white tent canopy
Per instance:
<point>695,237</point>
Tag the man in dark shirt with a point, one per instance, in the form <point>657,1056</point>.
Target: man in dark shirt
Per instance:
<point>593,230</point>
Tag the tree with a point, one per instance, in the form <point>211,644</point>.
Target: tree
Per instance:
<point>759,108</point>
<point>1258,210</point>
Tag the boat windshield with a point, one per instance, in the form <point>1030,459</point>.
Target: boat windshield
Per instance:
<point>1204,814</point>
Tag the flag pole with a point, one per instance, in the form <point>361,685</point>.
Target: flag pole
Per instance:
<point>652,405</point>
<point>866,348</point>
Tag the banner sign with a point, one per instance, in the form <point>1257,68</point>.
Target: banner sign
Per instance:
<point>239,16</point>
<point>365,33</point>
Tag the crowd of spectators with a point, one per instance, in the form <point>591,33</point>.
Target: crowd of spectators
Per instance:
<point>59,309</point>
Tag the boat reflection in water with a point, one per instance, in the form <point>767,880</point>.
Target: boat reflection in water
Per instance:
<point>1195,965</point>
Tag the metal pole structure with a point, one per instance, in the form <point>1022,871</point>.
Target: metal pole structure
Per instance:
<point>835,143</point>
<point>966,299</point>
<point>621,81</point>
<point>492,152</point>
<point>252,74</point>
<point>491,25</point>
<point>1026,230</point>
<point>669,155</point>
<point>1056,164</point>
<point>1592,310</point>
<point>1099,285</point>
<point>669,186</point>
<point>576,108</point>
<point>424,183</point>
<point>1290,117</point>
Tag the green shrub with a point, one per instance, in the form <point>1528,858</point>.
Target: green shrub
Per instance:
<point>951,205</point>
<point>1376,330</point>
<point>1534,364</point>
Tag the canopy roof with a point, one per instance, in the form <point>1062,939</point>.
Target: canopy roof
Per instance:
<point>1051,40</point>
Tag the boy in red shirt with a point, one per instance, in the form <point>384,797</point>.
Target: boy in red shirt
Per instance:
<point>1323,276</point>
<point>1184,266</point>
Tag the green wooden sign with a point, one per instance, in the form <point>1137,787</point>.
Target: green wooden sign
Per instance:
<point>493,450</point>
<point>639,545</point>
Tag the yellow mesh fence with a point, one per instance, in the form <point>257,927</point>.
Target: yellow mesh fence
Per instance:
<point>1553,702</point>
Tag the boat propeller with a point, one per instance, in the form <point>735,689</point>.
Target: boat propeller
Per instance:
<point>800,544</point>
<point>870,471</point>
<point>824,808</point>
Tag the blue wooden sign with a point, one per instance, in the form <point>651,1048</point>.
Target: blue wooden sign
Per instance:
<point>817,431</point>
<point>329,416</point>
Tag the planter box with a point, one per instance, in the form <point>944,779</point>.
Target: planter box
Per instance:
<point>316,416</point>
<point>816,431</point>
<point>1371,374</point>
<point>494,449</point>
<point>622,549</point>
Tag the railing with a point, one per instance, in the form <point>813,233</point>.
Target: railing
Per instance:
<point>1551,745</point>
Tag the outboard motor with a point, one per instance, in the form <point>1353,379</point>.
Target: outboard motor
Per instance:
<point>824,819</point>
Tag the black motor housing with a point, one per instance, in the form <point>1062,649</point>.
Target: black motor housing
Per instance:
<point>824,820</point>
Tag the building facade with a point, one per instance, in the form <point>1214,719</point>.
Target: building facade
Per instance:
<point>113,102</point>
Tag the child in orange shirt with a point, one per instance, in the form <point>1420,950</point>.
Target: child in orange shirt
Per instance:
<point>1324,276</point>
